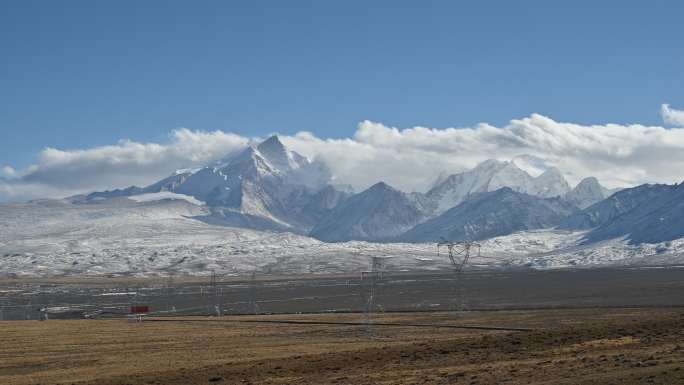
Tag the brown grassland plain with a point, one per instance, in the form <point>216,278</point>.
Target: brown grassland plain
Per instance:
<point>582,346</point>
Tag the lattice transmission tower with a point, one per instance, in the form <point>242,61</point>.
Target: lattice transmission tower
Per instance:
<point>370,280</point>
<point>459,254</point>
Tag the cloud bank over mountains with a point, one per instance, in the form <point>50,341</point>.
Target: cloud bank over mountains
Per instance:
<point>408,158</point>
<point>672,116</point>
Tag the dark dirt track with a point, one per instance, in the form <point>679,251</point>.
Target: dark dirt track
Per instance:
<point>476,290</point>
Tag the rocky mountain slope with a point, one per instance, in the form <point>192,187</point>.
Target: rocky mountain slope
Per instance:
<point>491,214</point>
<point>644,214</point>
<point>617,205</point>
<point>378,213</point>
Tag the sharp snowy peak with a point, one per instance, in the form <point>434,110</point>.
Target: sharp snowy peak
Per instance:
<point>378,213</point>
<point>587,192</point>
<point>281,159</point>
<point>247,185</point>
<point>456,188</point>
<point>492,175</point>
<point>549,184</point>
<point>265,186</point>
<point>491,214</point>
<point>254,184</point>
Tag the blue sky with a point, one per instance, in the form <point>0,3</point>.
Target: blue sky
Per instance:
<point>78,74</point>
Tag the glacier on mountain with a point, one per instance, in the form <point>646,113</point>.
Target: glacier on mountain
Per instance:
<point>492,175</point>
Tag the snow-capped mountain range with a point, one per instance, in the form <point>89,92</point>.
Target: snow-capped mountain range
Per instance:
<point>270,198</point>
<point>269,187</point>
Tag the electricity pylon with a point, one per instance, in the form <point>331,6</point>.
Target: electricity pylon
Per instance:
<point>459,254</point>
<point>371,278</point>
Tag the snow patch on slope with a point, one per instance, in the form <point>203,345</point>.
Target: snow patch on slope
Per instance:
<point>151,197</point>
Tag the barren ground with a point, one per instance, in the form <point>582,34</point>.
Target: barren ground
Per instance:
<point>581,346</point>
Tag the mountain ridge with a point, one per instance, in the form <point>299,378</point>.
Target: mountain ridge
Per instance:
<point>377,213</point>
<point>492,175</point>
<point>266,186</point>
<point>490,214</point>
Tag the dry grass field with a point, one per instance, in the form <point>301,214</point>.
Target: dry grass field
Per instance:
<point>620,346</point>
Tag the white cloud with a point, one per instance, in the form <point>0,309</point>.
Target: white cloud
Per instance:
<point>17,190</point>
<point>407,158</point>
<point>672,116</point>
<point>64,172</point>
<point>8,171</point>
<point>410,158</point>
